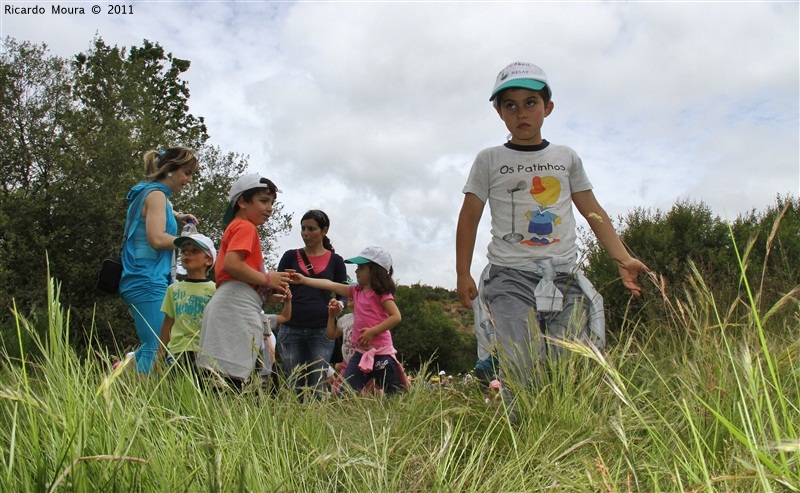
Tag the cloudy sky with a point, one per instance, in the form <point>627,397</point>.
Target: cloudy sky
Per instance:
<point>374,111</point>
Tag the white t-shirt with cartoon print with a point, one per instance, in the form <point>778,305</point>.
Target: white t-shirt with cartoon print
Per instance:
<point>529,192</point>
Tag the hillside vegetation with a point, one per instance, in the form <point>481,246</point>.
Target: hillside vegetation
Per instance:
<point>705,403</point>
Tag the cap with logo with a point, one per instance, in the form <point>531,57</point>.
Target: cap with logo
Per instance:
<point>520,75</point>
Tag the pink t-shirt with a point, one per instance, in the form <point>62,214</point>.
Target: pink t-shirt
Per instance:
<point>368,312</point>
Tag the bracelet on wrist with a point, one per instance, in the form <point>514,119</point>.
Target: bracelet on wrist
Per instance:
<point>266,278</point>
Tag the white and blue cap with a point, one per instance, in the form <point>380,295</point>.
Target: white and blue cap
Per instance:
<point>203,241</point>
<point>374,254</point>
<point>520,75</point>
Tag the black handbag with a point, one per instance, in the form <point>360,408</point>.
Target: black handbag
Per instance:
<point>110,272</point>
<point>109,275</point>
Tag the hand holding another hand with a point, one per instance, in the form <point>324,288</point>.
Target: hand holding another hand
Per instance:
<point>334,307</point>
<point>278,282</point>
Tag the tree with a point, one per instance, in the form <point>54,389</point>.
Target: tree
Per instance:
<point>769,242</point>
<point>71,145</point>
<point>35,98</point>
<point>126,102</point>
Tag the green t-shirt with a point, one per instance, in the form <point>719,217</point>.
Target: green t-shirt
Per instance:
<point>184,303</point>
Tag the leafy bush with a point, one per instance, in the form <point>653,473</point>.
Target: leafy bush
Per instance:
<point>689,237</point>
<point>429,333</point>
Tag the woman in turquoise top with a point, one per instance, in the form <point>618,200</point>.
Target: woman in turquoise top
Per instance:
<point>148,251</point>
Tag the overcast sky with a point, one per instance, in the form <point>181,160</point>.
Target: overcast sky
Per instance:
<point>374,111</point>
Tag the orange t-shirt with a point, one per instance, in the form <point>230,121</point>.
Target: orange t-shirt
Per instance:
<point>240,235</point>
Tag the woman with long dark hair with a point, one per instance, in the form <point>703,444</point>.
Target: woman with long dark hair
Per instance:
<point>303,347</point>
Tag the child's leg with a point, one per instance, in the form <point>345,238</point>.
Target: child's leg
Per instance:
<point>265,362</point>
<point>148,318</point>
<point>185,365</point>
<point>572,323</point>
<point>236,384</point>
<point>353,376</point>
<point>386,375</point>
<point>520,342</point>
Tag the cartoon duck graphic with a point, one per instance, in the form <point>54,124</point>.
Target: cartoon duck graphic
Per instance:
<point>545,190</point>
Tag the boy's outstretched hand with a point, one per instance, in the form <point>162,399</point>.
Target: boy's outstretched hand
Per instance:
<point>629,273</point>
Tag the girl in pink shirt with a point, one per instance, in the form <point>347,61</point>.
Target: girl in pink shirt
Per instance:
<point>375,314</point>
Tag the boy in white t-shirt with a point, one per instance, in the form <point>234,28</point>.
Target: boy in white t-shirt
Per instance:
<point>532,291</point>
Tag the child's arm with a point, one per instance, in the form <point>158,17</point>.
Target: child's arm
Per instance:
<point>235,265</point>
<point>388,323</point>
<point>338,288</point>
<point>600,223</point>
<point>286,313</point>
<point>467,229</point>
<point>332,330</point>
<point>166,332</point>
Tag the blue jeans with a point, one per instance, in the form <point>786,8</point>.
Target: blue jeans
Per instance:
<point>304,355</point>
<point>148,318</point>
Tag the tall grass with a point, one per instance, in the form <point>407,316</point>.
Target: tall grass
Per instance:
<point>707,402</point>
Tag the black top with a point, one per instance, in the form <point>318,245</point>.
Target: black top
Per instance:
<point>309,305</point>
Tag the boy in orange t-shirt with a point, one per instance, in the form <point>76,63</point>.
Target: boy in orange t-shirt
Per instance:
<point>233,332</point>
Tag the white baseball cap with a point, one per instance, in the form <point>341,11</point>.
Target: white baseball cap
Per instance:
<point>373,254</point>
<point>240,186</point>
<point>203,241</point>
<point>520,74</point>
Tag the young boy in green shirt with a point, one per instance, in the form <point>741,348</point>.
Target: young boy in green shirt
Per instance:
<point>185,301</point>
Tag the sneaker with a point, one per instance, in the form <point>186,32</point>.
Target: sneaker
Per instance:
<point>127,357</point>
